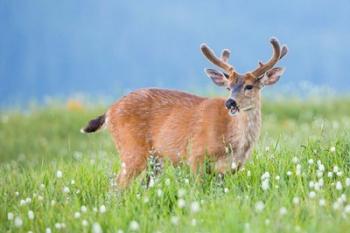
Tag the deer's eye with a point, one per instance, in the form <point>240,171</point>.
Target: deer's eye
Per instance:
<point>229,89</point>
<point>248,87</point>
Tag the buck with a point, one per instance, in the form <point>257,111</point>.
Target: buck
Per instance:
<point>184,127</point>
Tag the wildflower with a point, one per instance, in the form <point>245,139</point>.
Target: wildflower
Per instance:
<point>53,202</point>
<point>332,149</point>
<point>96,228</point>
<point>83,209</point>
<point>265,176</point>
<point>40,198</point>
<point>249,173</point>
<point>193,222</point>
<point>48,230</point>
<point>298,170</point>
<point>338,185</point>
<point>347,209</point>
<point>120,231</point>
<point>66,189</point>
<point>10,216</point>
<point>42,186</point>
<point>195,207</point>
<point>159,192</point>
<point>94,209</point>
<point>187,181</point>
<point>181,203</point>
<point>22,202</point>
<point>335,169</point>
<point>259,206</point>
<point>310,161</point>
<point>77,215</point>
<point>181,192</point>
<point>296,200</point>
<point>319,174</point>
<point>330,174</point>
<point>145,199</point>
<point>311,184</point>
<point>30,215</point>
<point>277,178</point>
<point>234,165</point>
<point>339,173</point>
<point>17,194</point>
<point>84,223</point>
<point>72,182</point>
<point>322,202</point>
<point>226,190</point>
<point>102,209</point>
<point>312,194</point>
<point>295,159</point>
<point>265,184</point>
<point>289,173</point>
<point>167,182</point>
<point>174,220</point>
<point>283,211</point>
<point>267,149</point>
<point>18,221</point>
<point>134,226</point>
<point>347,181</point>
<point>59,174</point>
<point>58,225</point>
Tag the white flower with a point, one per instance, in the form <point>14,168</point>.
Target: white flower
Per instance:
<point>249,173</point>
<point>181,203</point>
<point>259,206</point>
<point>335,169</point>
<point>58,225</point>
<point>22,202</point>
<point>234,165</point>
<point>102,209</point>
<point>312,194</point>
<point>298,170</point>
<point>120,231</point>
<point>296,200</point>
<point>84,223</point>
<point>66,189</point>
<point>134,226</point>
<point>295,159</point>
<point>332,149</point>
<point>167,182</point>
<point>30,215</point>
<point>18,221</point>
<point>338,185</point>
<point>310,161</point>
<point>226,190</point>
<point>94,209</point>
<point>10,216</point>
<point>181,192</point>
<point>347,181</point>
<point>17,194</point>
<point>40,198</point>
<point>187,181</point>
<point>265,176</point>
<point>265,184</point>
<point>83,209</point>
<point>96,228</point>
<point>283,211</point>
<point>48,230</point>
<point>347,209</point>
<point>72,182</point>
<point>289,173</point>
<point>277,178</point>
<point>159,193</point>
<point>322,202</point>
<point>311,184</point>
<point>77,215</point>
<point>174,220</point>
<point>195,207</point>
<point>193,222</point>
<point>53,202</point>
<point>319,174</point>
<point>145,199</point>
<point>59,174</point>
<point>42,186</point>
<point>330,174</point>
<point>339,173</point>
<point>267,148</point>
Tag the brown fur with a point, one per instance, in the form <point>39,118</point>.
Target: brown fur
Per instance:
<point>178,126</point>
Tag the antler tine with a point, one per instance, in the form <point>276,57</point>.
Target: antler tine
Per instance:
<point>208,53</point>
<point>284,51</point>
<point>225,55</point>
<point>273,60</point>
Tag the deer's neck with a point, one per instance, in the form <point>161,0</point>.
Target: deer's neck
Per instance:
<point>253,122</point>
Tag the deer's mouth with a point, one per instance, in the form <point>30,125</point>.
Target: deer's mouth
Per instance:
<point>233,110</point>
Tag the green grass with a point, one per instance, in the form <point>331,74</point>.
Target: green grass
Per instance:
<point>35,145</point>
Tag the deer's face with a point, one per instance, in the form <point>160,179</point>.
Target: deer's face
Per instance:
<point>244,89</point>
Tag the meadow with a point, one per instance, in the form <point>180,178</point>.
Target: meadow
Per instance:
<point>55,179</point>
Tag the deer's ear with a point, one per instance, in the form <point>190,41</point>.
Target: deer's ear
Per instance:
<point>217,77</point>
<point>272,76</point>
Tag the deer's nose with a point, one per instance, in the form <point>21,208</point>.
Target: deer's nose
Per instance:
<point>230,103</point>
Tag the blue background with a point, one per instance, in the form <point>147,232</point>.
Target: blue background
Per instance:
<point>106,48</point>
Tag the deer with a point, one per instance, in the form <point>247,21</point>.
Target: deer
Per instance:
<point>183,127</point>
